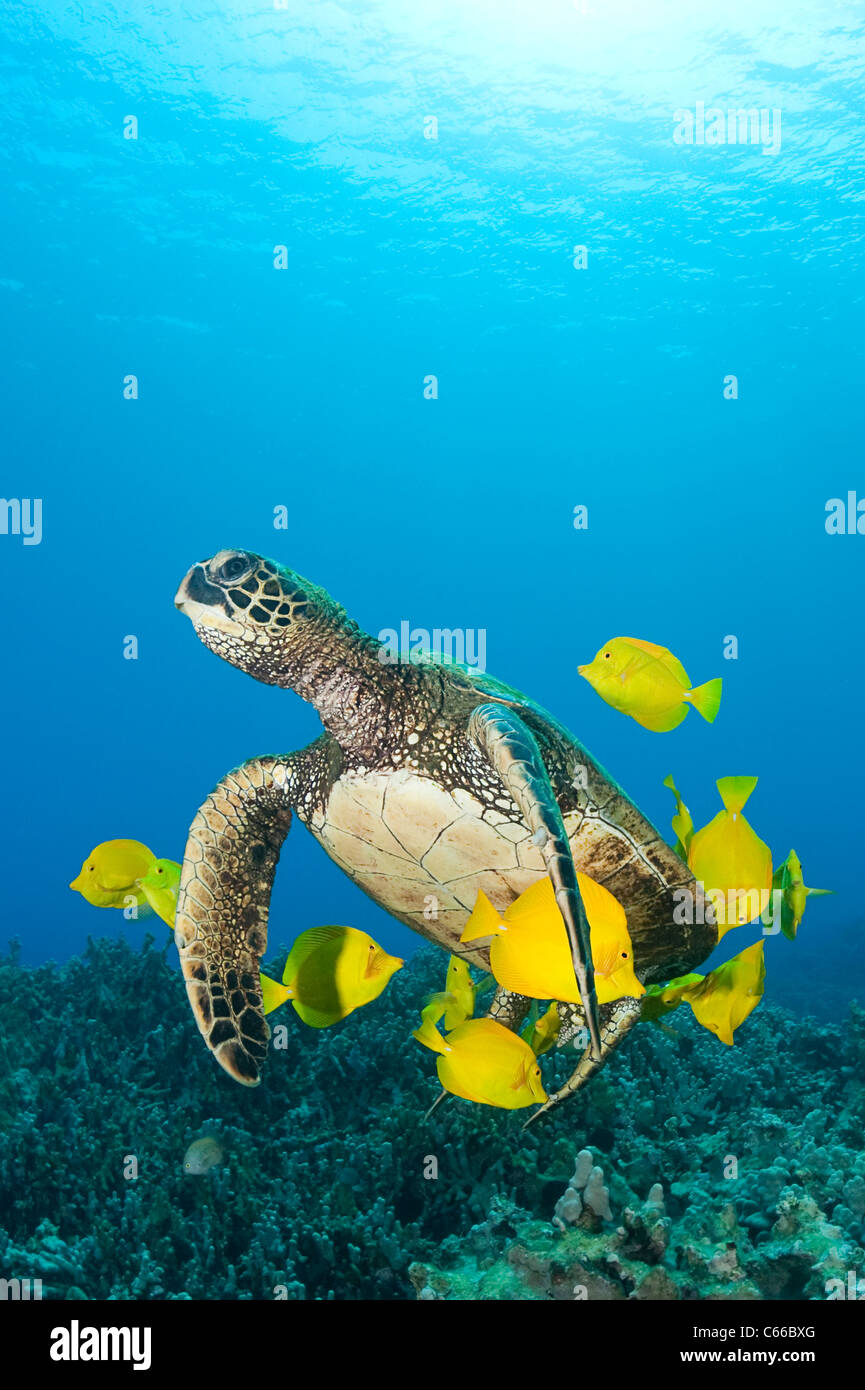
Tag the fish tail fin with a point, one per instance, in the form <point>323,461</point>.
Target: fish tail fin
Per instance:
<point>272,993</point>
<point>429,1036</point>
<point>484,920</point>
<point>735,791</point>
<point>706,699</point>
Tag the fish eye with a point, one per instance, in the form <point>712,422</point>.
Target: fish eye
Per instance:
<point>606,656</point>
<point>624,955</point>
<point>92,869</point>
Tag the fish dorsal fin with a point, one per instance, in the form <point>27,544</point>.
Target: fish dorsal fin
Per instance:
<point>651,647</point>
<point>662,654</point>
<point>539,897</point>
<point>602,907</point>
<point>484,920</point>
<point>308,942</point>
<point>479,1033</point>
<point>735,791</point>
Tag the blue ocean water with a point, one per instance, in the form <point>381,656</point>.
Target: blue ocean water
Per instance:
<point>430,172</point>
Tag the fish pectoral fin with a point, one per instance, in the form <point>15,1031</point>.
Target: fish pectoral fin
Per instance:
<point>510,748</point>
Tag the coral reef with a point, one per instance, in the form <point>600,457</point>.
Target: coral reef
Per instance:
<point>586,1199</point>
<point>699,1171</point>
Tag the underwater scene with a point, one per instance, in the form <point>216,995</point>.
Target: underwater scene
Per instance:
<point>432,538</point>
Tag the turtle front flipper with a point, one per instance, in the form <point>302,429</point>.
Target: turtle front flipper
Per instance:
<point>617,1020</point>
<point>222,906</point>
<point>512,751</point>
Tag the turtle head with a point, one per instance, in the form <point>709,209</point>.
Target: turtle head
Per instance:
<point>248,610</point>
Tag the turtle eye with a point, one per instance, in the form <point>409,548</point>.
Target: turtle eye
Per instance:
<point>234,567</point>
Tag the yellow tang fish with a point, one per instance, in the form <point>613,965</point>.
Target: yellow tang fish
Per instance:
<point>110,873</point>
<point>461,989</point>
<point>729,858</point>
<point>456,1002</point>
<point>544,1031</point>
<point>330,972</point>
<point>530,953</point>
<point>788,880</point>
<point>483,1061</point>
<point>648,683</point>
<point>663,999</point>
<point>159,886</point>
<point>683,825</point>
<point>730,993</point>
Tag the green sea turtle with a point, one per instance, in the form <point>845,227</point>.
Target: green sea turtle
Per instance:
<point>430,782</point>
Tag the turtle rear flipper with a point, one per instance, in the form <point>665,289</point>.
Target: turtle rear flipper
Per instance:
<point>222,908</point>
<point>512,752</point>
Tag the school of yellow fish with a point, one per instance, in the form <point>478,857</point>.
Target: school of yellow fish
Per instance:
<point>332,970</point>
<point>125,874</point>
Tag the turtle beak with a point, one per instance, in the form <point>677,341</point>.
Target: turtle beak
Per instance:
<point>205,604</point>
<point>196,588</point>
